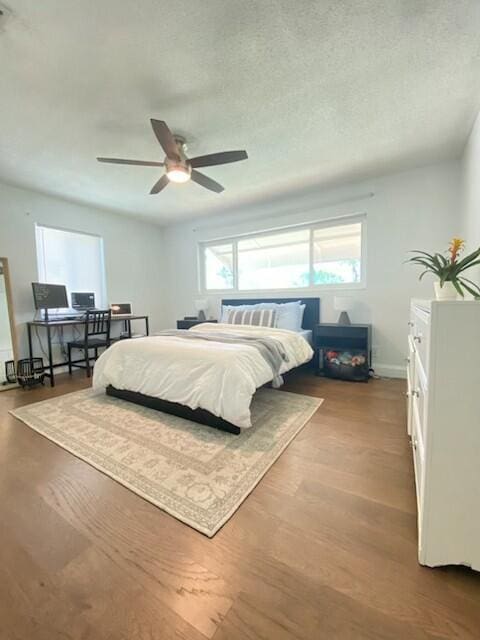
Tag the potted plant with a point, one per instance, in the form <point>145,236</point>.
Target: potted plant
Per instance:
<point>449,270</point>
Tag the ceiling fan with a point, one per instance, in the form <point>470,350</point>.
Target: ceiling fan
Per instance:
<point>179,168</point>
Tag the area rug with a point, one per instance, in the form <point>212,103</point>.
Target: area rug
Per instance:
<point>195,473</point>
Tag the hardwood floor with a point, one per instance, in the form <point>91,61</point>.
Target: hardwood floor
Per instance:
<point>324,547</point>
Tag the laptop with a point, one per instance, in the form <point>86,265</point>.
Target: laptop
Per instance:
<point>121,309</point>
<point>82,301</point>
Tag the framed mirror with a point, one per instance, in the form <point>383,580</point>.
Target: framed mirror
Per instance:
<point>8,336</point>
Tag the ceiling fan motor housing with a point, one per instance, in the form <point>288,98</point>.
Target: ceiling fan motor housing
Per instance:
<point>180,164</point>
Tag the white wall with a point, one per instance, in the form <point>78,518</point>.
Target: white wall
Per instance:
<point>410,210</point>
<point>470,184</point>
<point>134,260</point>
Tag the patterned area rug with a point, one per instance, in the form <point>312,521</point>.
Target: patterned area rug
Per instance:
<point>193,472</point>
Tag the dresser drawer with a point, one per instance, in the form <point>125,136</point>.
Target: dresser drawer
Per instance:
<point>420,334</point>
<point>418,393</point>
<point>410,359</point>
<point>419,464</point>
<point>410,382</point>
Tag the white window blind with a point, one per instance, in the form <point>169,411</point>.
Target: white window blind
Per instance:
<point>73,259</point>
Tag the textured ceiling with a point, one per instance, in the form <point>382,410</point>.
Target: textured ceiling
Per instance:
<point>315,91</point>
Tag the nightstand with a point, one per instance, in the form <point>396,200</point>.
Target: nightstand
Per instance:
<point>335,343</point>
<point>188,324</point>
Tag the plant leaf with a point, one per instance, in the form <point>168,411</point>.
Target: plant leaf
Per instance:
<point>442,259</point>
<point>474,293</point>
<point>458,287</point>
<point>430,266</point>
<point>467,266</point>
<point>423,253</point>
<point>471,287</point>
<point>470,282</point>
<point>468,259</point>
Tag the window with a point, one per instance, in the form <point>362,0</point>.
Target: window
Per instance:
<point>277,261</point>
<point>219,266</point>
<point>317,255</point>
<point>73,259</point>
<point>337,254</point>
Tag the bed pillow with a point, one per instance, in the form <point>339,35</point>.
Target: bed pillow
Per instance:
<point>255,317</point>
<point>226,309</point>
<point>300,316</point>
<point>290,315</point>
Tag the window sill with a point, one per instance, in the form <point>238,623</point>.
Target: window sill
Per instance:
<point>300,291</point>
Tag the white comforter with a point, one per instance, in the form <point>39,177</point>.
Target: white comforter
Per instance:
<point>215,376</point>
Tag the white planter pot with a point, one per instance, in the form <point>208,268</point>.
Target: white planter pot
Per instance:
<point>447,292</point>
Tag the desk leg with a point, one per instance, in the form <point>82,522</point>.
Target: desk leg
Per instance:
<point>50,358</point>
<point>129,322</point>
<point>147,329</point>
<point>30,348</point>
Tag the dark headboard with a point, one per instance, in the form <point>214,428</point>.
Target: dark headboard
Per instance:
<point>311,316</point>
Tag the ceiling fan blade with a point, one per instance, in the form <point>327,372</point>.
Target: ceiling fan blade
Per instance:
<point>205,181</point>
<point>223,157</point>
<point>142,163</point>
<point>160,184</point>
<point>165,138</point>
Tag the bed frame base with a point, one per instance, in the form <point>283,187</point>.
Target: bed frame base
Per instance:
<point>196,415</point>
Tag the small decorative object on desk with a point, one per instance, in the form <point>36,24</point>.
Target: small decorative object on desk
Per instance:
<point>449,269</point>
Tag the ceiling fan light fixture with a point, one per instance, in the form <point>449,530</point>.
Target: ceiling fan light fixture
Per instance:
<point>178,174</point>
<point>178,167</point>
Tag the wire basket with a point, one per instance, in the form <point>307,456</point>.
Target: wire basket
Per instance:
<point>349,364</point>
<point>30,371</point>
<point>10,372</point>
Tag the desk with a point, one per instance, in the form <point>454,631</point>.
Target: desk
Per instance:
<point>48,326</point>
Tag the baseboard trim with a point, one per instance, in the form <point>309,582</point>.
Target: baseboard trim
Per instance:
<point>390,370</point>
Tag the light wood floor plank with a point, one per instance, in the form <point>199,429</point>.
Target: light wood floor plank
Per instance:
<point>325,546</point>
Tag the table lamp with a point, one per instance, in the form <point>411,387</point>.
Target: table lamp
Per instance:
<point>343,304</point>
<point>201,305</point>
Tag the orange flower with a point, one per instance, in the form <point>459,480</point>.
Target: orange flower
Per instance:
<point>456,246</point>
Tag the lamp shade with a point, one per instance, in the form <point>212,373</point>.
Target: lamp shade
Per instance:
<point>201,304</point>
<point>343,303</point>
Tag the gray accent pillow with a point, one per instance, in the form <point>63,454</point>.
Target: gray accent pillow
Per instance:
<point>256,317</point>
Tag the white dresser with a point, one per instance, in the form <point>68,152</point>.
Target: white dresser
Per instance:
<point>444,428</point>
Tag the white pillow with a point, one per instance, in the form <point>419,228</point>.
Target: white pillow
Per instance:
<point>290,315</point>
<point>300,316</point>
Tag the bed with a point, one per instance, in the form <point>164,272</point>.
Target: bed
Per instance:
<point>201,379</point>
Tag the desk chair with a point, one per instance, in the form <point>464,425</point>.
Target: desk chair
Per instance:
<point>97,334</point>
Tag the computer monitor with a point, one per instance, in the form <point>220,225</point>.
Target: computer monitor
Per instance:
<point>83,301</point>
<point>49,296</point>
